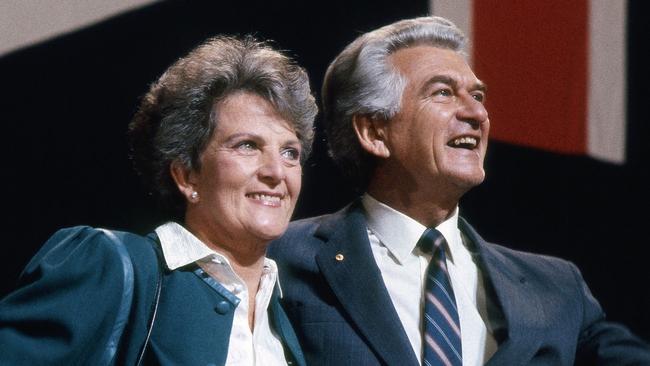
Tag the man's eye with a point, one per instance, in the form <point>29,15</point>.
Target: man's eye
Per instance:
<point>443,93</point>
<point>480,97</point>
<point>291,154</point>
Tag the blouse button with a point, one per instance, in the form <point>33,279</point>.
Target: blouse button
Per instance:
<point>222,307</point>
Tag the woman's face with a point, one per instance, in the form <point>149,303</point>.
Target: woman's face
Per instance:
<point>250,175</point>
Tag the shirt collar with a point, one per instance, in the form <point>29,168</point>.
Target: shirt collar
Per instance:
<point>400,233</point>
<point>180,248</point>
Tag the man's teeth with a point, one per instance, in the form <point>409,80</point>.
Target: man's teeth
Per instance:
<point>465,141</point>
<point>266,197</point>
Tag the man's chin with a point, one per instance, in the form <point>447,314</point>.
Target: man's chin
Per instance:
<point>469,181</point>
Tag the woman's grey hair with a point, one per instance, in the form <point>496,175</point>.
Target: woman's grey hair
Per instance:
<point>362,81</point>
<point>177,117</point>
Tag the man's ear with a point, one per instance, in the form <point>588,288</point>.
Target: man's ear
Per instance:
<point>371,133</point>
<point>185,180</point>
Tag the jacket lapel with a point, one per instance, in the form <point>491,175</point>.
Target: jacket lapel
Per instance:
<point>518,302</point>
<point>282,326</point>
<point>348,266</point>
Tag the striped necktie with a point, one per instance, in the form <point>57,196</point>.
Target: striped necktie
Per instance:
<point>441,337</point>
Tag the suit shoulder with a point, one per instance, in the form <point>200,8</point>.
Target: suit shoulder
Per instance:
<point>79,282</point>
<point>307,225</point>
<point>519,261</point>
<point>526,256</point>
<point>538,265</point>
<point>301,237</point>
<point>77,243</point>
<point>88,249</point>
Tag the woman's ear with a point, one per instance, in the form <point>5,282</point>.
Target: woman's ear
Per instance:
<point>371,133</point>
<point>185,181</point>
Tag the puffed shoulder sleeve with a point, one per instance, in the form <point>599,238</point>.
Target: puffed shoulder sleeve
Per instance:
<point>602,342</point>
<point>71,302</point>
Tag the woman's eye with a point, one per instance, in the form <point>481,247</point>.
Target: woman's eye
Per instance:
<point>246,145</point>
<point>291,153</point>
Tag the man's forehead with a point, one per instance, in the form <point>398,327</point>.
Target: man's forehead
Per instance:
<point>424,64</point>
<point>426,51</point>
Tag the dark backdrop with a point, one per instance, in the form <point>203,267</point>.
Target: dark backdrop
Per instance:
<point>66,104</point>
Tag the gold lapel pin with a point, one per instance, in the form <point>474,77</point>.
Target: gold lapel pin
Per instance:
<point>339,257</point>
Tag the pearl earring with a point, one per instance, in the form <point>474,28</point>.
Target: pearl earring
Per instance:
<point>194,195</point>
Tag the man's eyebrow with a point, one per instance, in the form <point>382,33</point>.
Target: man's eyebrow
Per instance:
<point>445,79</point>
<point>480,86</point>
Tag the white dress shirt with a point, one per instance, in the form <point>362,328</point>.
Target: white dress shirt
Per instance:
<point>259,347</point>
<point>393,238</point>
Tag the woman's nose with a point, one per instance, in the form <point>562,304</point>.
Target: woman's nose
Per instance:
<point>271,169</point>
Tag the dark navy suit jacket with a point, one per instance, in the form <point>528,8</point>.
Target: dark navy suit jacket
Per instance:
<point>336,299</point>
<point>73,302</point>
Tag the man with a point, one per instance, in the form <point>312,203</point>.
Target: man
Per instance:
<point>405,119</point>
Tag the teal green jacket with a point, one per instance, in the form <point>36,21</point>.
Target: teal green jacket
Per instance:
<point>87,297</point>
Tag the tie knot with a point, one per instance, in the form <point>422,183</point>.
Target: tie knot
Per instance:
<point>430,240</point>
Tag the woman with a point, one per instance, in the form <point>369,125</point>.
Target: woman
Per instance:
<point>219,139</point>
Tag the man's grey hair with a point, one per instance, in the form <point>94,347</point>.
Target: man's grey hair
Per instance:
<point>362,81</point>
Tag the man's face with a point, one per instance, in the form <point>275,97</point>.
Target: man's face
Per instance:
<point>439,138</point>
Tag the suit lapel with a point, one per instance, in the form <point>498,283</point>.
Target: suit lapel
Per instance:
<point>518,303</point>
<point>282,326</point>
<point>348,266</point>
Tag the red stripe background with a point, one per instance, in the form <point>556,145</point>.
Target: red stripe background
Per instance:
<point>533,57</point>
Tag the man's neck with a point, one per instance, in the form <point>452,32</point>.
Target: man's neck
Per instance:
<point>429,210</point>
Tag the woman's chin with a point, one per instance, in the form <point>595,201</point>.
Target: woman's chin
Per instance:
<point>268,232</point>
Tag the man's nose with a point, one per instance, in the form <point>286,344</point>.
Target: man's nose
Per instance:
<point>472,111</point>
